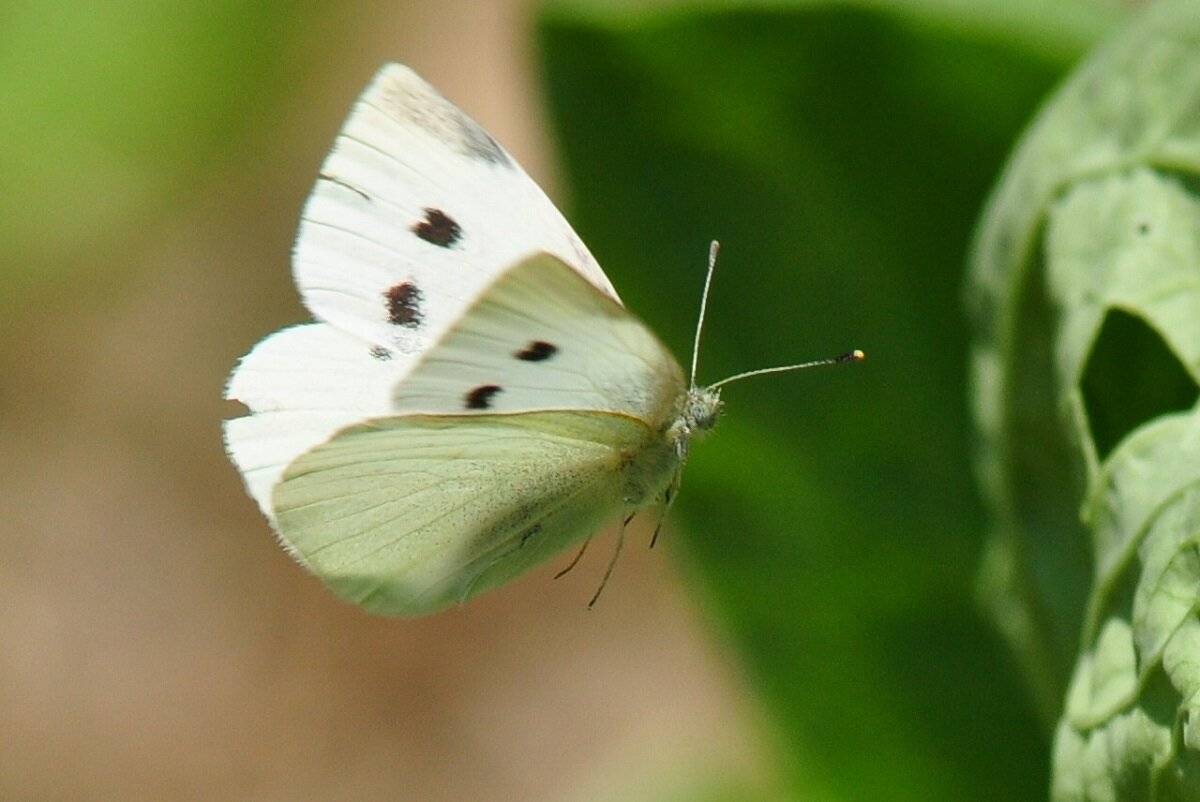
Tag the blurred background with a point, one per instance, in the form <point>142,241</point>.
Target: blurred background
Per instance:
<point>155,643</point>
<point>809,629</point>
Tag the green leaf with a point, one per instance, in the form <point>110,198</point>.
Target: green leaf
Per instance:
<point>112,112</point>
<point>1086,281</point>
<point>840,152</point>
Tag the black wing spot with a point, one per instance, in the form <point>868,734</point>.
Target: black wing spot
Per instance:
<point>404,305</point>
<point>438,228</point>
<point>380,353</point>
<point>536,351</point>
<point>481,396</point>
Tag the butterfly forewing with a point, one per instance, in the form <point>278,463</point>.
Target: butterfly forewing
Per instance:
<point>541,337</point>
<point>416,210</point>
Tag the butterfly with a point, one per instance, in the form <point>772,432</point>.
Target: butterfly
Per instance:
<point>473,397</point>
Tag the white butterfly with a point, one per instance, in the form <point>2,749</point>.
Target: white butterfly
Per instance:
<point>473,397</point>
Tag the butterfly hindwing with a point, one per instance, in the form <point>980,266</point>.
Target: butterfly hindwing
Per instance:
<point>302,385</point>
<point>409,514</point>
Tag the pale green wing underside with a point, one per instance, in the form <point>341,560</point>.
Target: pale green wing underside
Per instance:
<point>410,514</point>
<point>543,337</point>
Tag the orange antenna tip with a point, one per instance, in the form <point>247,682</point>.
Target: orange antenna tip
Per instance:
<point>853,356</point>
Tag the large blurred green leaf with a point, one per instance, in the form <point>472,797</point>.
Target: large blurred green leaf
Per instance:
<point>840,151</point>
<point>1087,282</point>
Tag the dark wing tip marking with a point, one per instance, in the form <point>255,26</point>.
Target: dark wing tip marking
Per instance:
<point>479,144</point>
<point>404,305</point>
<point>438,228</point>
<point>536,351</point>
<point>413,102</point>
<point>481,396</point>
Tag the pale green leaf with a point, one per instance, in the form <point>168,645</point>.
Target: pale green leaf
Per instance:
<point>1086,283</point>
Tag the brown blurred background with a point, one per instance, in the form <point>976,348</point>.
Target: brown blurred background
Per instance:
<point>156,643</point>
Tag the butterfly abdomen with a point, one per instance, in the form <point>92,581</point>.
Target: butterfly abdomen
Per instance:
<point>647,472</point>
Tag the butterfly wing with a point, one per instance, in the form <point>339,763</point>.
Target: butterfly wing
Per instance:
<point>416,211</point>
<point>542,337</point>
<point>473,395</point>
<point>540,413</point>
<point>301,385</point>
<point>410,514</point>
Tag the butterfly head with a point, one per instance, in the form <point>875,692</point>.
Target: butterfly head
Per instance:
<point>698,412</point>
<point>701,408</point>
<point>702,405</point>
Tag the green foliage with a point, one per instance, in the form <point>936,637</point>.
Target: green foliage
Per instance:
<point>1088,294</point>
<point>111,113</point>
<point>841,152</point>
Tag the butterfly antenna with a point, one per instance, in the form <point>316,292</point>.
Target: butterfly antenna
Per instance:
<point>713,248</point>
<point>844,359</point>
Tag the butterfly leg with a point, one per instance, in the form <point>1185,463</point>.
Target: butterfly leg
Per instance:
<point>668,499</point>
<point>575,560</point>
<point>612,562</point>
<point>583,548</point>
